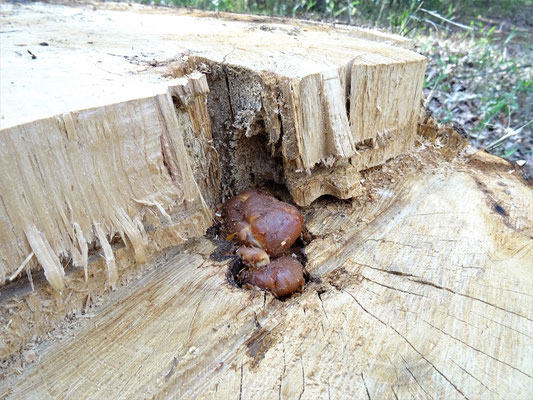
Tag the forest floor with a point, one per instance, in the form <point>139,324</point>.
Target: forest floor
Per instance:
<point>481,83</point>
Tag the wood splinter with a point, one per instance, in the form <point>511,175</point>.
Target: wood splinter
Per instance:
<point>265,227</point>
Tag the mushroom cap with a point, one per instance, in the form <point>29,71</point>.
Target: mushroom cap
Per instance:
<point>282,276</point>
<point>259,219</point>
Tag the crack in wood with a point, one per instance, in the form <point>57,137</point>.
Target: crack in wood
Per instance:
<point>393,288</point>
<point>303,378</point>
<point>480,351</point>
<point>423,282</point>
<point>229,94</point>
<point>468,296</point>
<point>189,330</point>
<point>397,243</point>
<point>284,369</point>
<point>240,385</point>
<point>173,366</point>
<point>319,294</point>
<point>414,377</point>
<point>499,323</point>
<point>500,288</point>
<point>469,324</point>
<point>399,273</point>
<point>366,387</point>
<point>408,342</point>
<point>482,384</point>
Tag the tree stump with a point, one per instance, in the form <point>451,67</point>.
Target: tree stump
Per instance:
<point>141,122</point>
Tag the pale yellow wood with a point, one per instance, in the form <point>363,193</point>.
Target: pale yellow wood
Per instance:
<point>292,106</point>
<point>107,144</point>
<point>74,181</point>
<point>422,284</point>
<point>84,176</point>
<point>312,93</point>
<point>418,292</point>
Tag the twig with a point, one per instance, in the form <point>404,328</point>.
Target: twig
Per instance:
<point>436,15</point>
<point>19,269</point>
<point>510,132</point>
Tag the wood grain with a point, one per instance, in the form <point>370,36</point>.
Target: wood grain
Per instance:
<point>428,298</point>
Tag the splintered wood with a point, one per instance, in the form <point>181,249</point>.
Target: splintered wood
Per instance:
<point>85,176</point>
<point>430,298</point>
<point>324,103</point>
<point>295,104</point>
<point>125,131</point>
<point>324,119</point>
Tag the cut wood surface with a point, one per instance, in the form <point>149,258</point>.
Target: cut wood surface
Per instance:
<point>325,102</point>
<point>86,57</point>
<point>416,293</point>
<point>125,127</point>
<point>109,149</point>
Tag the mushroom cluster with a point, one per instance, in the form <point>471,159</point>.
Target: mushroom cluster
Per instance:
<point>266,228</point>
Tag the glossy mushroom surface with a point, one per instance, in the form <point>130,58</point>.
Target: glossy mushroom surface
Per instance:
<point>281,277</point>
<point>258,219</point>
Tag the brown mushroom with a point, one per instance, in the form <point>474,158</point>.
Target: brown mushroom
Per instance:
<point>257,219</point>
<point>281,277</point>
